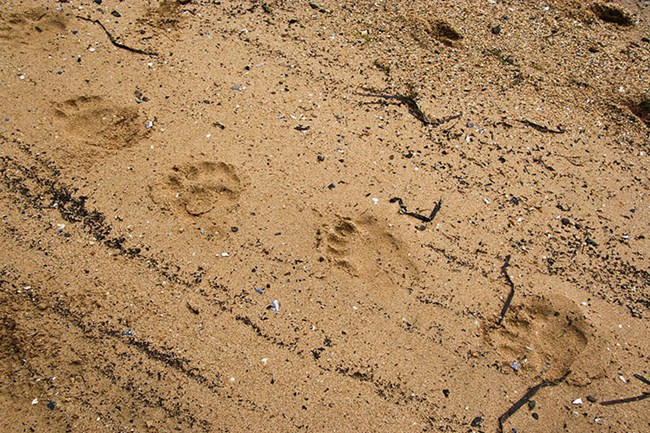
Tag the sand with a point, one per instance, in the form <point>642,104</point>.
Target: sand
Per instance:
<point>198,234</point>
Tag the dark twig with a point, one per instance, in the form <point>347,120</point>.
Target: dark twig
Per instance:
<point>114,41</point>
<point>630,399</point>
<point>504,271</point>
<point>413,108</point>
<point>404,210</point>
<point>542,128</point>
<point>523,400</point>
<point>626,400</point>
<point>642,378</point>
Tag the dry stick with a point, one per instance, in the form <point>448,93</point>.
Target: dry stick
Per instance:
<point>642,379</point>
<point>523,400</point>
<point>115,42</point>
<point>630,399</point>
<point>504,271</point>
<point>405,211</point>
<point>542,128</point>
<point>626,400</point>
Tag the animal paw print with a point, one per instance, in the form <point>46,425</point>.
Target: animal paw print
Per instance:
<point>196,189</point>
<point>100,123</point>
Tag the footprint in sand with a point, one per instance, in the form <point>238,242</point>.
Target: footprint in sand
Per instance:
<point>549,336</point>
<point>364,249</point>
<point>33,27</point>
<point>197,189</point>
<point>99,123</point>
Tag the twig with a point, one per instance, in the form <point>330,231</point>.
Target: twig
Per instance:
<point>542,128</point>
<point>626,400</point>
<point>504,271</point>
<point>523,400</point>
<point>404,210</point>
<point>630,399</point>
<point>413,108</point>
<point>114,41</point>
<point>642,378</point>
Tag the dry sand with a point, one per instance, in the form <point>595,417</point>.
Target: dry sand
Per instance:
<point>162,160</point>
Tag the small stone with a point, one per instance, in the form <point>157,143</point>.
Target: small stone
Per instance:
<point>496,29</point>
<point>320,158</point>
<point>592,399</point>
<point>116,14</point>
<point>565,221</point>
<point>532,404</point>
<point>234,229</point>
<point>331,186</point>
<point>446,392</point>
<point>476,422</point>
<point>35,401</point>
<point>535,415</point>
<point>51,405</point>
<point>577,401</point>
<point>515,365</point>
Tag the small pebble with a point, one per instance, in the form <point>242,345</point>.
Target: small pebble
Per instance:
<point>592,399</point>
<point>116,14</point>
<point>577,401</point>
<point>476,422</point>
<point>515,365</point>
<point>276,305</point>
<point>51,405</point>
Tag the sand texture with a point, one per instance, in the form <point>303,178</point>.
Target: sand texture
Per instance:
<point>201,233</point>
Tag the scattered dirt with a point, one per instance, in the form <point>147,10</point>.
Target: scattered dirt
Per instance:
<point>202,239</point>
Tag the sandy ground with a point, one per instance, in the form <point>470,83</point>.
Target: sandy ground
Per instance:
<point>172,172</point>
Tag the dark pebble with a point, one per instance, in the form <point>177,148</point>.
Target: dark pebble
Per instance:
<point>331,186</point>
<point>234,229</point>
<point>320,158</point>
<point>51,405</point>
<point>532,404</point>
<point>591,242</point>
<point>476,422</point>
<point>116,14</point>
<point>592,399</point>
<point>98,1</point>
<point>535,415</point>
<point>565,221</point>
<point>421,227</point>
<point>514,200</point>
<point>446,392</point>
<point>496,30</point>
